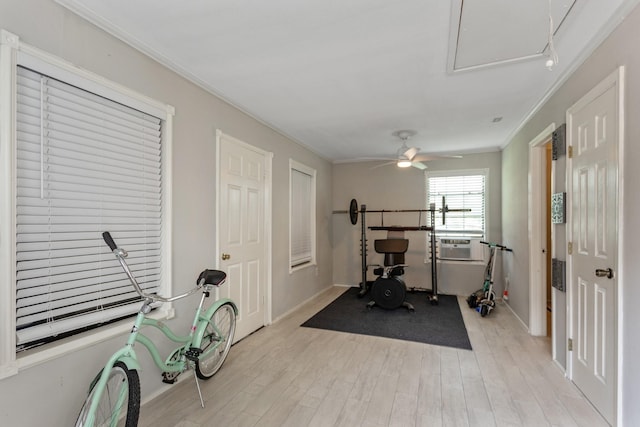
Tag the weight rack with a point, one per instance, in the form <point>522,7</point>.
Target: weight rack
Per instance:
<point>354,212</point>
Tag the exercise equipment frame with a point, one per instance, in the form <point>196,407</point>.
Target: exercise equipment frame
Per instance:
<point>354,212</point>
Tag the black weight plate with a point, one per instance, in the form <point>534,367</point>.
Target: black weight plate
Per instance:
<point>389,292</point>
<point>353,211</point>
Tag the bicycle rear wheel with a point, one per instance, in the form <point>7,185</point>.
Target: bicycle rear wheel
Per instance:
<point>217,335</point>
<point>119,403</point>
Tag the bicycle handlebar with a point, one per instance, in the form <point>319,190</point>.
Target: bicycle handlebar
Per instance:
<point>109,241</point>
<point>121,254</point>
<point>496,245</point>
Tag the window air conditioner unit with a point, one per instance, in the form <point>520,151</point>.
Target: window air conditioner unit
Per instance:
<point>460,249</point>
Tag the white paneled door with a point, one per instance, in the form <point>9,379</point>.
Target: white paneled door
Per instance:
<point>242,234</point>
<point>594,133</point>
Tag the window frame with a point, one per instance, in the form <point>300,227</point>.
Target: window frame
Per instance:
<point>299,167</point>
<point>13,53</point>
<point>462,172</point>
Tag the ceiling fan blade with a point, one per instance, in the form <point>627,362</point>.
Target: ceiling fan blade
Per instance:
<point>411,152</point>
<point>427,157</point>
<point>373,159</point>
<point>383,164</point>
<point>418,165</point>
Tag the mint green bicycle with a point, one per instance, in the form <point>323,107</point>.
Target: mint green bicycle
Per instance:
<point>114,394</point>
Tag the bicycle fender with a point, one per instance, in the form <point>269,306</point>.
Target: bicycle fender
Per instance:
<point>218,303</point>
<point>127,356</point>
<point>131,362</point>
<point>202,323</point>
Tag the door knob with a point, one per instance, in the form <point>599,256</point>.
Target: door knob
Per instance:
<point>608,273</point>
<point>225,257</point>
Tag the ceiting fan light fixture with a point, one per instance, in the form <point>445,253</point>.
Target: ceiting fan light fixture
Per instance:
<point>405,154</point>
<point>403,163</point>
<point>410,156</point>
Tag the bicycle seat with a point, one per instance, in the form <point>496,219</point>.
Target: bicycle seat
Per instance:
<point>211,277</point>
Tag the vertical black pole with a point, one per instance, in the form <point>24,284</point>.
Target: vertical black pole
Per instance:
<point>363,251</point>
<point>434,273</point>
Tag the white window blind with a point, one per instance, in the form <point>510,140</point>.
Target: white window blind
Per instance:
<point>460,191</point>
<point>301,208</point>
<point>85,164</point>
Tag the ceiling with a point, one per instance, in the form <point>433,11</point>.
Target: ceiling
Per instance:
<point>340,76</point>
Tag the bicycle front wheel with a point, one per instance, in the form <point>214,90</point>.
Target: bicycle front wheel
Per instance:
<point>119,403</point>
<point>216,341</point>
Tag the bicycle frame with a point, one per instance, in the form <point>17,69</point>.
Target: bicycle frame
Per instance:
<point>128,355</point>
<point>182,357</point>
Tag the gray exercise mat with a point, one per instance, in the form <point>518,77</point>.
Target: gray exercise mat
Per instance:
<point>440,324</point>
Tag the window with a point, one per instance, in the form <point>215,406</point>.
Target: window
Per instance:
<point>89,156</point>
<point>464,189</point>
<point>302,215</point>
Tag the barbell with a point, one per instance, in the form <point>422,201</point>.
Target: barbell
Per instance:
<point>354,211</point>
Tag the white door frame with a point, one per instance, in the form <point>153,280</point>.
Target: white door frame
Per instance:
<point>267,225</point>
<point>537,242</point>
<point>616,78</point>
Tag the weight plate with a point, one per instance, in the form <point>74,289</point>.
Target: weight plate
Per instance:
<point>353,211</point>
<point>389,292</point>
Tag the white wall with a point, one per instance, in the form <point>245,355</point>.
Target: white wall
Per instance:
<point>52,393</point>
<point>393,188</point>
<point>619,49</point>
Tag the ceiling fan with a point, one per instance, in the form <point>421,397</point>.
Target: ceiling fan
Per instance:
<point>409,156</point>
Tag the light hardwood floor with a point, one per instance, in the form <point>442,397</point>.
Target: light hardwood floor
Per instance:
<point>286,375</point>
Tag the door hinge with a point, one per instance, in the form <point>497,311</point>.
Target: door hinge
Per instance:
<point>569,344</point>
<point>570,151</point>
<point>558,142</point>
<point>570,248</point>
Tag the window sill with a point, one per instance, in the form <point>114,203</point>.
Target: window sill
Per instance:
<point>60,348</point>
<point>302,267</point>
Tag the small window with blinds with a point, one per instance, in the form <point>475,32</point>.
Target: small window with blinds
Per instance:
<point>85,164</point>
<point>464,189</point>
<point>302,217</point>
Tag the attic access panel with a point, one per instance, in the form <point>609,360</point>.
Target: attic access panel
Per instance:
<point>490,32</point>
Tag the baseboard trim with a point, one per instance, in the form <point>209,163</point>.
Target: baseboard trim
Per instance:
<point>308,300</point>
<point>524,325</point>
